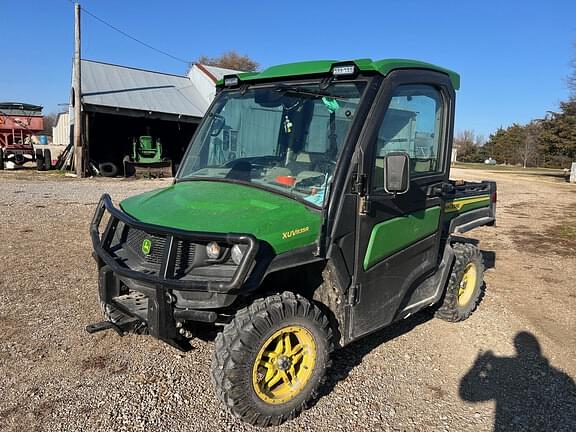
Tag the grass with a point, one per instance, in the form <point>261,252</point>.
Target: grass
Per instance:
<point>549,172</point>
<point>567,230</point>
<point>563,234</point>
<point>505,168</point>
<point>30,173</point>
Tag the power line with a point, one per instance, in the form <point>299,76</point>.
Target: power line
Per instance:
<point>122,32</point>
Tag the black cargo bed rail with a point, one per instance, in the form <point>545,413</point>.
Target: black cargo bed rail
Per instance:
<point>478,217</point>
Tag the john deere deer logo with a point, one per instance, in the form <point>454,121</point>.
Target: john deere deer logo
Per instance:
<point>146,246</point>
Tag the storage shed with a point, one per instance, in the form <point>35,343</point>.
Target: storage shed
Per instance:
<point>120,104</point>
<point>61,130</point>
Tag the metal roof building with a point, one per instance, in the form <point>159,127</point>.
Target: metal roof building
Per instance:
<point>205,77</point>
<point>114,89</point>
<point>121,103</point>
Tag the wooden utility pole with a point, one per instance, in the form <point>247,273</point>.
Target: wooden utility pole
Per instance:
<point>78,150</point>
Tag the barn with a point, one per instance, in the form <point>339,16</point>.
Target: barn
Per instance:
<point>121,104</point>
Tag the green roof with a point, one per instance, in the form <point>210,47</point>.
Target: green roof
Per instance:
<point>325,66</point>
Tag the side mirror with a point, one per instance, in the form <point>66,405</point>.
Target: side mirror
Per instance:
<point>397,172</point>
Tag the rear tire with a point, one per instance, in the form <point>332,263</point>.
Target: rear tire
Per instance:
<point>466,287</point>
<point>270,361</point>
<point>47,159</point>
<point>1,159</point>
<point>40,160</point>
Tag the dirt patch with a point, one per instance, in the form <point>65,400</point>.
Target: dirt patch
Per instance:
<point>95,362</point>
<point>559,239</point>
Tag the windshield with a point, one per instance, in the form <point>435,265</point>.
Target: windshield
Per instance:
<point>283,138</point>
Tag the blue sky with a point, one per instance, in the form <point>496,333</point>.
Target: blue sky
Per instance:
<point>513,55</point>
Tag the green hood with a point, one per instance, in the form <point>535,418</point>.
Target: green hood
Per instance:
<point>228,208</point>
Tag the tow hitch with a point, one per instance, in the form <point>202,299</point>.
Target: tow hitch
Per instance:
<point>104,325</point>
<point>121,329</point>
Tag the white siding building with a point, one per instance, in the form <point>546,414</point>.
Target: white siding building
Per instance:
<point>61,130</point>
<point>205,77</point>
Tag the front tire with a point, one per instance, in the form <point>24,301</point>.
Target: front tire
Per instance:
<point>270,361</point>
<point>466,285</point>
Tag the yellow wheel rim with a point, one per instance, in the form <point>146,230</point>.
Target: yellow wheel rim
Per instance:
<point>467,284</point>
<point>284,365</point>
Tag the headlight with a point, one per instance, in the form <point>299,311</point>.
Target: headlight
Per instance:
<point>213,250</point>
<point>237,254</point>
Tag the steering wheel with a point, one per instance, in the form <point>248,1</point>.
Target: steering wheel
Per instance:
<point>240,170</point>
<point>310,182</point>
<point>325,165</point>
<point>256,161</point>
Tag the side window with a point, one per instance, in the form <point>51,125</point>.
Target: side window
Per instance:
<point>412,124</point>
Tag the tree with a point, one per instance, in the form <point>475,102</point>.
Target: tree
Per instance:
<point>230,60</point>
<point>558,135</point>
<point>49,123</point>
<point>467,145</point>
<point>550,141</point>
<point>529,151</point>
<point>512,145</point>
<point>572,76</point>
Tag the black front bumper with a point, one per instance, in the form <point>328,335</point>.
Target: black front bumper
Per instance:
<point>166,274</point>
<point>161,298</point>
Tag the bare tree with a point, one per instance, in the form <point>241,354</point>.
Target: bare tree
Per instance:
<point>465,136</point>
<point>480,140</point>
<point>529,150</point>
<point>49,123</point>
<point>572,77</point>
<point>467,145</point>
<point>230,60</point>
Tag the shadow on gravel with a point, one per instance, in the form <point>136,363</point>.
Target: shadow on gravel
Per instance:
<point>347,358</point>
<point>530,394</point>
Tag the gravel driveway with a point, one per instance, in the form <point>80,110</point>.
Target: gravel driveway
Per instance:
<point>508,367</point>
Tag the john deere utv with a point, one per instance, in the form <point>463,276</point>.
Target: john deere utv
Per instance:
<point>313,207</point>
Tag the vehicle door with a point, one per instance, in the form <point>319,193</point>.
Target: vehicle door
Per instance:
<point>398,235</point>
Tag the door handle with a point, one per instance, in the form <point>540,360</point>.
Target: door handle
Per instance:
<point>439,189</point>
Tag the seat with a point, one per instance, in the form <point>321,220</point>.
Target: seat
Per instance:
<point>274,172</point>
<point>302,162</point>
<point>147,146</point>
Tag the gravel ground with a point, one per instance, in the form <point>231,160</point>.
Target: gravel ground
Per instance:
<point>508,367</point>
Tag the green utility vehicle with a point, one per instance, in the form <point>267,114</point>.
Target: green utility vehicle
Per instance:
<point>313,207</point>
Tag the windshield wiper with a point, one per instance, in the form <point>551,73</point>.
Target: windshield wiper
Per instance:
<point>306,92</point>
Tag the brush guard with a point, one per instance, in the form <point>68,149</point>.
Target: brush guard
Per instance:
<point>150,302</point>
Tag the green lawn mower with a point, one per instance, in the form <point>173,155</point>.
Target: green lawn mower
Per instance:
<point>146,159</point>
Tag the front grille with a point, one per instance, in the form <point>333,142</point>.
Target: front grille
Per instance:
<point>185,250</point>
<point>135,240</point>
